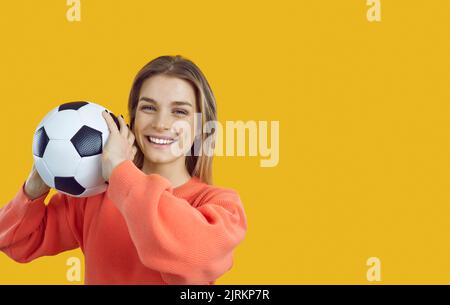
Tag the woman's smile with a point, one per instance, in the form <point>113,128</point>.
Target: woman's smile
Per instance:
<point>160,142</point>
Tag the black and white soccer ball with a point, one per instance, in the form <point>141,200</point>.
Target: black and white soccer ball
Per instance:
<point>67,148</point>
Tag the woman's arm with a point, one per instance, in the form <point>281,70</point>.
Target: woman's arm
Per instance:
<point>187,245</point>
<point>30,229</point>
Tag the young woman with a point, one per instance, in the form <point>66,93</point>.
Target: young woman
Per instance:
<point>160,220</point>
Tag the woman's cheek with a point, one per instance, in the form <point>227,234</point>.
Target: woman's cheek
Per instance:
<point>181,128</point>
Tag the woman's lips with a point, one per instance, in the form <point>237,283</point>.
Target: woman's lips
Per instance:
<point>160,137</point>
<point>160,142</point>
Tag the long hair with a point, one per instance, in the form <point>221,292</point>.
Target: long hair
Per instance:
<point>197,164</point>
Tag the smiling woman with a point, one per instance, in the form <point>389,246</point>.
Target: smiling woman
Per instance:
<point>161,141</point>
<point>160,220</point>
<point>166,91</point>
<point>165,103</point>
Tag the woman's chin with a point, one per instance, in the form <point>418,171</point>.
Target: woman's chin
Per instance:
<point>161,154</point>
<point>156,156</point>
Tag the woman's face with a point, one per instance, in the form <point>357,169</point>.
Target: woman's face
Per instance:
<point>164,121</point>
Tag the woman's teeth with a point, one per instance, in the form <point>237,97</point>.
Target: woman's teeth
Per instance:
<point>160,141</point>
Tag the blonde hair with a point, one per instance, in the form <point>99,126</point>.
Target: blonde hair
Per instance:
<point>177,66</point>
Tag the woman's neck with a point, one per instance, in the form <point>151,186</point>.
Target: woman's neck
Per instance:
<point>175,172</point>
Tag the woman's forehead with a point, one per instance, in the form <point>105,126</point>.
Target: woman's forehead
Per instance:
<point>166,89</point>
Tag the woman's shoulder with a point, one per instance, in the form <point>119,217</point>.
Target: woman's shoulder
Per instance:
<point>210,192</point>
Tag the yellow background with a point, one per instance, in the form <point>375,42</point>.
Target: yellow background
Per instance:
<point>363,108</point>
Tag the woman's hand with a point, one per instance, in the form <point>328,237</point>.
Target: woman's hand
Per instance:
<point>119,147</point>
<point>35,187</point>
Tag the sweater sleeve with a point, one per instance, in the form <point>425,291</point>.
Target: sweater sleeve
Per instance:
<point>186,244</point>
<point>30,229</point>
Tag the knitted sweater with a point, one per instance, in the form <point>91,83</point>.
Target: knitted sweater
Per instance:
<point>140,231</point>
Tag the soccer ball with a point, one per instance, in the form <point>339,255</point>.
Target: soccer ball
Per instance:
<point>67,148</point>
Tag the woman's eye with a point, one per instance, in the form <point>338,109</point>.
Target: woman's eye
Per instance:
<point>148,107</point>
<point>180,112</point>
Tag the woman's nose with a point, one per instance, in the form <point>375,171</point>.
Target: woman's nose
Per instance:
<point>160,122</point>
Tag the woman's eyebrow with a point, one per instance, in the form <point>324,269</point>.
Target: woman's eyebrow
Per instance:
<point>147,99</point>
<point>150,100</point>
<point>181,103</point>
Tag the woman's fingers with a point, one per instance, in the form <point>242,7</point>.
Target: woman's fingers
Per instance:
<point>123,131</point>
<point>131,137</point>
<point>110,122</point>
<point>133,152</point>
<point>123,126</point>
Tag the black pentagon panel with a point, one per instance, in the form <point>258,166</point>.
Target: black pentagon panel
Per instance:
<point>72,106</point>
<point>69,185</point>
<point>40,141</point>
<point>87,141</point>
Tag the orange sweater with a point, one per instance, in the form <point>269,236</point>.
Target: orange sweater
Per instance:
<point>140,231</point>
